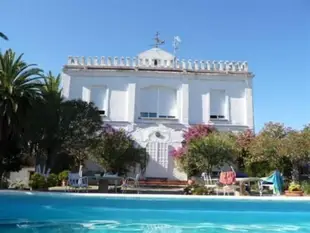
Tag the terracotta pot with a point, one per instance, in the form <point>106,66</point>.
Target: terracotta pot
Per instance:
<point>190,182</point>
<point>294,193</point>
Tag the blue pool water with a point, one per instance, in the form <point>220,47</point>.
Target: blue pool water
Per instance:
<point>25,212</point>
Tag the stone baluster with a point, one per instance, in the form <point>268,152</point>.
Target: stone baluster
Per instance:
<point>115,63</point>
<point>183,64</point>
<point>208,64</point>
<point>122,61</point>
<point>95,61</point>
<point>127,61</point>
<point>89,61</point>
<point>213,65</point>
<point>102,61</point>
<point>196,65</point>
<point>226,65</point>
<point>237,66</point>
<point>134,62</point>
<point>202,65</point>
<point>189,65</point>
<point>82,61</point>
<point>233,66</point>
<point>246,67</point>
<point>77,60</point>
<point>221,66</point>
<point>109,61</point>
<point>177,64</point>
<point>241,66</point>
<point>70,60</point>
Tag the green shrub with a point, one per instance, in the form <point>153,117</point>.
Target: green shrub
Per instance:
<point>197,190</point>
<point>52,180</point>
<point>294,187</point>
<point>63,175</point>
<point>37,181</point>
<point>305,186</point>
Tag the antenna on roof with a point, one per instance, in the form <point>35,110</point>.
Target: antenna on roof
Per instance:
<point>176,44</point>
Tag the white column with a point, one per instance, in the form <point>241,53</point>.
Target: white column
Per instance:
<point>249,104</point>
<point>184,103</point>
<point>131,96</point>
<point>86,94</point>
<point>206,107</point>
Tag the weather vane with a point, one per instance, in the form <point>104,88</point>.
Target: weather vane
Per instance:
<point>158,41</point>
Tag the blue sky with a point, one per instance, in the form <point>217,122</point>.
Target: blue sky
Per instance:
<point>273,36</point>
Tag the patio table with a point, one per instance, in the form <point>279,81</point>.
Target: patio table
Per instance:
<point>103,185</point>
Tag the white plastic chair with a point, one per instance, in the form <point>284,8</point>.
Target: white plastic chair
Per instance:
<point>76,181</point>
<point>207,180</point>
<point>135,180</point>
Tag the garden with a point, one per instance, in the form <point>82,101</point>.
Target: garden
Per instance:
<point>275,147</point>
<point>39,127</point>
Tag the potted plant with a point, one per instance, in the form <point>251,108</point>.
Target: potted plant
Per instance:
<point>63,177</point>
<point>294,190</point>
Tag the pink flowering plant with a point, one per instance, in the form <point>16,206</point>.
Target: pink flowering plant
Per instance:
<point>194,132</point>
<point>181,154</point>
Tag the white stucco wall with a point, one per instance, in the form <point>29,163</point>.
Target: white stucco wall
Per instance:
<point>21,177</point>
<point>193,103</point>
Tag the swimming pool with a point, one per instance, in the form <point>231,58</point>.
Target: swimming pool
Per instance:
<point>23,212</point>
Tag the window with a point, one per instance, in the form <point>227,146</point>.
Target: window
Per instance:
<point>218,105</point>
<point>155,62</point>
<point>98,96</point>
<point>158,102</point>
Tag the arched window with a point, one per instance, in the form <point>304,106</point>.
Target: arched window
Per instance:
<point>158,102</point>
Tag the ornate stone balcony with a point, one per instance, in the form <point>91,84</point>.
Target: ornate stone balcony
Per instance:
<point>135,63</point>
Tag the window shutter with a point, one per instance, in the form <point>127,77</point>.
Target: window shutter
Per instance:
<point>98,95</point>
<point>217,103</point>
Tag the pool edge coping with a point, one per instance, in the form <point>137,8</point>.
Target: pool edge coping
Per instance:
<point>158,196</point>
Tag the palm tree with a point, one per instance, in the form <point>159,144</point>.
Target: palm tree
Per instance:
<point>19,87</point>
<point>3,36</point>
<point>52,98</point>
<point>42,136</point>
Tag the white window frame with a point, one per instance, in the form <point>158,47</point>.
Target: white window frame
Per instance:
<point>226,107</point>
<point>155,115</point>
<point>105,100</point>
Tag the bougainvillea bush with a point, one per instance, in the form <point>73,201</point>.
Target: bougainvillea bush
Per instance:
<point>185,162</point>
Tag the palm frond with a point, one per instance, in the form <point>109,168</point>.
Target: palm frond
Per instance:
<point>3,36</point>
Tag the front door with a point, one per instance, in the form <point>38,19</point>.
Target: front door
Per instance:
<point>158,160</point>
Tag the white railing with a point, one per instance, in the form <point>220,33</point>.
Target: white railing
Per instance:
<point>135,62</point>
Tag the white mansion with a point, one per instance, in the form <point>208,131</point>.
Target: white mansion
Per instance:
<point>156,96</point>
